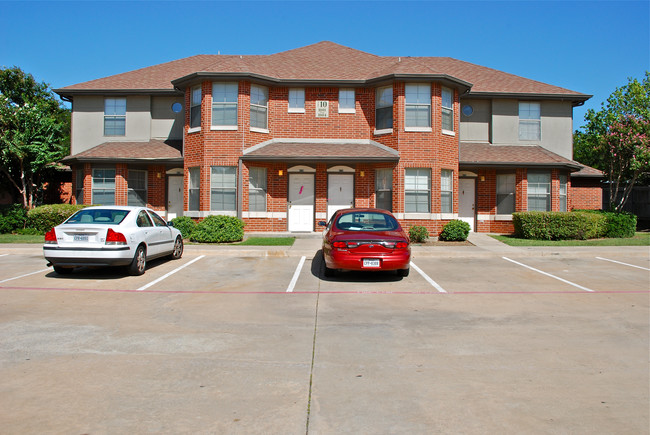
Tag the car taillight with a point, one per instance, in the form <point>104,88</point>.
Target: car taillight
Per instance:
<point>401,245</point>
<point>115,238</point>
<point>50,237</point>
<point>341,245</point>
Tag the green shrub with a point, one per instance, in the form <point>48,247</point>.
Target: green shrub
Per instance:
<point>185,225</point>
<point>43,218</point>
<point>620,225</point>
<point>559,225</point>
<point>418,234</point>
<point>455,230</point>
<point>218,229</point>
<point>12,218</point>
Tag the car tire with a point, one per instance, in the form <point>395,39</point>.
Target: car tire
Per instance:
<point>403,272</point>
<point>139,262</point>
<point>63,270</point>
<point>177,252</point>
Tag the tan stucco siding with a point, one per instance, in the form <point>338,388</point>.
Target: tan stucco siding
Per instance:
<point>476,128</point>
<point>165,124</point>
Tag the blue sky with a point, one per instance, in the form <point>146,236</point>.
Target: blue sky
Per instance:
<point>587,46</point>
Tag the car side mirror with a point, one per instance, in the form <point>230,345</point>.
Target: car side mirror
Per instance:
<point>170,224</point>
<point>322,223</point>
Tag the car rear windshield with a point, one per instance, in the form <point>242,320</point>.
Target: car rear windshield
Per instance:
<point>366,221</point>
<point>98,216</point>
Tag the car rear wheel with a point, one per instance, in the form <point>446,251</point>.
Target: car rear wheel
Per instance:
<point>63,270</point>
<point>177,252</point>
<point>139,262</point>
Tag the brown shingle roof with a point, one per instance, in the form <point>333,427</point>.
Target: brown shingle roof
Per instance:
<point>321,62</point>
<point>284,150</point>
<point>484,154</point>
<point>154,150</point>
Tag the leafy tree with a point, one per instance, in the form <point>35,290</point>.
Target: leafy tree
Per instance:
<point>616,138</point>
<point>34,133</point>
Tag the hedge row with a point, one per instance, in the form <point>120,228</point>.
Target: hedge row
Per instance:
<point>15,219</point>
<point>212,229</point>
<point>580,225</point>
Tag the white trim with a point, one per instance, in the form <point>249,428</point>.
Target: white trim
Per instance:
<point>321,215</point>
<point>340,169</point>
<point>383,131</point>
<point>420,129</point>
<point>449,132</point>
<point>202,214</point>
<point>260,130</point>
<point>448,216</point>
<point>264,215</point>
<point>347,110</point>
<point>223,127</point>
<point>302,169</point>
<point>422,216</point>
<point>494,217</point>
<point>296,110</point>
<point>193,130</point>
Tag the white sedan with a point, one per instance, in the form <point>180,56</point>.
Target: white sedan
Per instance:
<point>111,236</point>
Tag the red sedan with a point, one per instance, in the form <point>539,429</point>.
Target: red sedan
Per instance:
<point>365,239</point>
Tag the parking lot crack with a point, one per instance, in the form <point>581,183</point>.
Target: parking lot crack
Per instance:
<point>313,357</point>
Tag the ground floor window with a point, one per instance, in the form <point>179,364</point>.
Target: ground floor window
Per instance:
<point>137,187</point>
<point>384,189</point>
<point>194,188</point>
<point>417,191</point>
<point>506,193</point>
<point>79,186</point>
<point>223,188</point>
<point>539,191</point>
<point>257,189</point>
<point>446,191</point>
<point>103,188</point>
<point>563,192</point>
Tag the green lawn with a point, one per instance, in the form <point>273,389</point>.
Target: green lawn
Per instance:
<point>268,241</point>
<point>21,238</point>
<point>639,239</point>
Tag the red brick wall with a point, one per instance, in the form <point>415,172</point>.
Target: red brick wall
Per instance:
<point>585,194</point>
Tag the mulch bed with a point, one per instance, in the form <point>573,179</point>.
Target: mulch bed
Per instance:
<point>432,242</point>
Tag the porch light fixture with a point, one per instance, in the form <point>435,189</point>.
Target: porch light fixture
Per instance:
<point>362,173</point>
<point>280,172</point>
<point>482,177</point>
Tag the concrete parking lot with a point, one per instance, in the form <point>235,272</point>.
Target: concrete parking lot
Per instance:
<point>241,340</point>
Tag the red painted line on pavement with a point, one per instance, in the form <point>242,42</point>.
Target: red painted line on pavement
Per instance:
<point>359,292</point>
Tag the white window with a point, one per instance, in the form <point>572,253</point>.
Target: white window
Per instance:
<point>296,100</point>
<point>257,189</point>
<point>563,192</point>
<point>530,121</point>
<point>223,188</point>
<point>506,193</point>
<point>194,188</point>
<point>418,106</point>
<point>417,191</point>
<point>259,107</point>
<point>446,191</point>
<point>195,107</point>
<point>539,191</point>
<point>137,187</point>
<point>346,100</point>
<point>447,109</point>
<point>384,108</point>
<point>384,189</point>
<point>224,104</point>
<point>103,190</point>
<point>115,117</point>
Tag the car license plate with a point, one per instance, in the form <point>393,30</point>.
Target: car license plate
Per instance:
<point>80,237</point>
<point>370,262</point>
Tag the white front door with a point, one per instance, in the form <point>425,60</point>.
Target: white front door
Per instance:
<point>174,197</point>
<point>301,202</point>
<point>340,192</point>
<point>467,201</point>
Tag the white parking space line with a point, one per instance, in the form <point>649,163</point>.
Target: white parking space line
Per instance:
<point>549,275</point>
<point>624,264</point>
<point>22,276</point>
<point>428,279</point>
<point>3,255</point>
<point>156,281</point>
<point>296,274</point>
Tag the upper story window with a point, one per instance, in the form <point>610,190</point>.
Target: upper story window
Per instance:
<point>447,109</point>
<point>418,106</point>
<point>259,107</point>
<point>224,104</point>
<point>195,107</point>
<point>346,100</point>
<point>297,100</point>
<point>530,121</point>
<point>114,116</point>
<point>384,108</point>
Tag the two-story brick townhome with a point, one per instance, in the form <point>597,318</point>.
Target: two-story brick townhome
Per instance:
<point>283,140</point>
